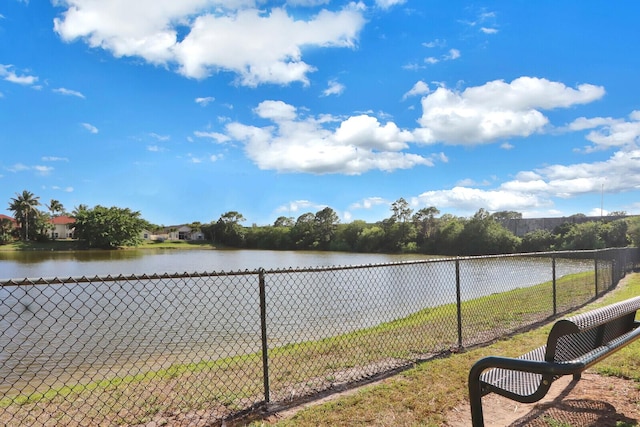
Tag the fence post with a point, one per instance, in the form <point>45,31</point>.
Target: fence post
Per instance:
<point>459,303</point>
<point>553,281</point>
<point>595,268</point>
<point>263,330</point>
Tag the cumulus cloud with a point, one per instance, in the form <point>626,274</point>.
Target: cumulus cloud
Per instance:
<point>259,45</point>
<point>295,143</point>
<point>472,199</point>
<point>607,132</point>
<point>496,110</point>
<point>620,172</point>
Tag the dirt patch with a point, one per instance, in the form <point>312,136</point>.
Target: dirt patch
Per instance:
<point>594,400</point>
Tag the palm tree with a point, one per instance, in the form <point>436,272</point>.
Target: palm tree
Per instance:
<point>55,207</point>
<point>23,207</point>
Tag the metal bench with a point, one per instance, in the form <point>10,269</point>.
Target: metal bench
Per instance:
<point>573,345</point>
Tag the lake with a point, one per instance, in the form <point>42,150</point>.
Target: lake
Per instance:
<point>75,330</point>
<point>37,264</point>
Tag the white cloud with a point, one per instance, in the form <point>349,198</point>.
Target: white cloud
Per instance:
<point>435,43</point>
<point>69,92</point>
<point>334,88</point>
<point>39,169</point>
<point>431,60</point>
<point>369,203</point>
<point>91,128</point>
<point>487,30</point>
<point>43,170</point>
<point>259,45</point>
<point>619,173</point>
<point>453,54</point>
<point>471,199</point>
<point>420,88</point>
<point>307,144</point>
<point>54,159</point>
<point>608,132</point>
<point>18,167</point>
<point>300,205</point>
<point>7,73</point>
<point>216,136</point>
<point>496,109</point>
<point>308,3</point>
<point>205,101</point>
<point>161,138</point>
<point>386,4</point>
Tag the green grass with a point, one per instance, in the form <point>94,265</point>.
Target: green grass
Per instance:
<point>425,394</point>
<point>54,245</point>
<point>76,245</point>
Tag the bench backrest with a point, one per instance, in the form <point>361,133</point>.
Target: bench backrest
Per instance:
<point>575,336</point>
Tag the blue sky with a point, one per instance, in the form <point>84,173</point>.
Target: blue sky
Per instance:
<point>186,110</point>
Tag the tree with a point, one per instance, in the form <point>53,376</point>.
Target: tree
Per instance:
<point>24,207</point>
<point>401,213</point>
<point>425,222</point>
<point>228,230</point>
<point>303,232</point>
<point>284,221</point>
<point>108,228</point>
<point>55,208</point>
<point>6,227</point>
<point>506,215</point>
<point>325,222</point>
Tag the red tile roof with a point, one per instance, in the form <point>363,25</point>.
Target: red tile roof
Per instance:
<point>7,217</point>
<point>62,220</point>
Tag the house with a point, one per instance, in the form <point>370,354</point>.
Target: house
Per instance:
<point>175,232</point>
<point>13,221</point>
<point>62,227</point>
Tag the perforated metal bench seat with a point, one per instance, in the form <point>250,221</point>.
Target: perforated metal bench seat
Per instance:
<point>574,344</point>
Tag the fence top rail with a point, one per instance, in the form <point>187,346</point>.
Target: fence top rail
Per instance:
<point>185,275</point>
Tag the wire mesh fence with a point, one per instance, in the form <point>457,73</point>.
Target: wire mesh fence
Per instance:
<point>196,349</point>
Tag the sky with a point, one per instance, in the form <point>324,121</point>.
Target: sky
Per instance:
<point>185,110</point>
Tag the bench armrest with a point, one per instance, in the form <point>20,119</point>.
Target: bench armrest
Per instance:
<point>530,366</point>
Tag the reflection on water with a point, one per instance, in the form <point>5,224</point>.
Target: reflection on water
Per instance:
<point>36,264</point>
<point>76,331</point>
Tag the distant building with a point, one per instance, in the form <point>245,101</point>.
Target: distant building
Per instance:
<point>13,221</point>
<point>62,227</point>
<point>522,226</point>
<point>174,232</point>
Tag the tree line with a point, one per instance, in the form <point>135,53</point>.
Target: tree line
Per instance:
<point>422,231</point>
<point>405,231</point>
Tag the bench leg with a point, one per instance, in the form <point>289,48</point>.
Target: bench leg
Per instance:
<point>475,397</point>
<point>577,376</point>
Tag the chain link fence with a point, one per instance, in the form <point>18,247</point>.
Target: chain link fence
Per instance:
<point>197,349</point>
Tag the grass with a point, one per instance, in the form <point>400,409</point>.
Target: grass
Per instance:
<point>76,245</point>
<point>423,395</point>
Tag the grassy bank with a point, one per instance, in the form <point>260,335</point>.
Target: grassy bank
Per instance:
<point>423,395</point>
<point>76,245</point>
